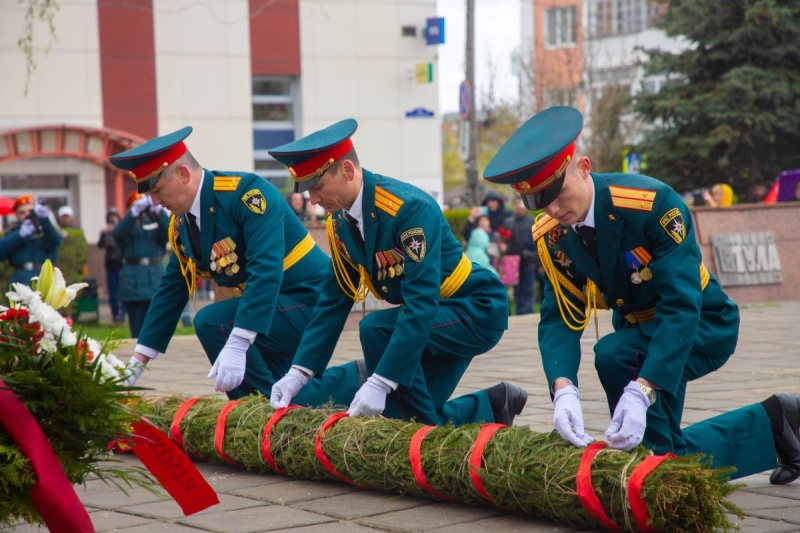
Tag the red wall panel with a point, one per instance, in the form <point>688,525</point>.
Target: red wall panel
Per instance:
<point>274,37</point>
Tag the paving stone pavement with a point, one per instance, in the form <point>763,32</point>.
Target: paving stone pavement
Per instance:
<point>767,360</point>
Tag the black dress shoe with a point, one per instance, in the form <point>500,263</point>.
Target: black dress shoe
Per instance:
<point>787,444</point>
<point>513,402</point>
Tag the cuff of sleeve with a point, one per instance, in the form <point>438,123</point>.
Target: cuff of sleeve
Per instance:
<point>307,371</point>
<point>387,381</point>
<point>150,353</point>
<point>245,334</point>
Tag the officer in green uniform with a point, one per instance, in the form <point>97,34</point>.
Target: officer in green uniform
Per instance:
<point>390,239</point>
<point>236,229</point>
<point>33,240</point>
<point>627,242</point>
<point>142,238</point>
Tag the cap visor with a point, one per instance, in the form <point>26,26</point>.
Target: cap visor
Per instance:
<point>542,199</point>
<point>303,186</point>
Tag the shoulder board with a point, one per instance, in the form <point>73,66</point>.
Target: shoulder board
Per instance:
<point>387,201</point>
<point>543,225</point>
<point>627,198</point>
<point>226,183</point>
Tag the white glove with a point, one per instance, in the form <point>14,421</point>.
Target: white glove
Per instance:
<point>27,229</point>
<point>370,400</point>
<point>287,388</point>
<point>230,364</point>
<point>40,210</point>
<point>568,416</point>
<point>132,373</point>
<point>155,209</point>
<point>140,205</point>
<point>627,426</point>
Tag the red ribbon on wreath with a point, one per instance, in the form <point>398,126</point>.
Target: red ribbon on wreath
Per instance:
<point>53,495</point>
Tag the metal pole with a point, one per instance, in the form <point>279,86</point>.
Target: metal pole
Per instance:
<point>472,153</point>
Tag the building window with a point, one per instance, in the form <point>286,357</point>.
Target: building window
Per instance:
<point>560,28</point>
<point>612,17</point>
<point>275,120</point>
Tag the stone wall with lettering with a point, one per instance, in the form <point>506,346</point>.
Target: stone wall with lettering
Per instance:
<point>753,249</point>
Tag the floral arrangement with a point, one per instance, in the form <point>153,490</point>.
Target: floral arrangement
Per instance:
<point>67,391</point>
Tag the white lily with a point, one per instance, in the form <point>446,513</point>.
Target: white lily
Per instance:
<point>53,288</point>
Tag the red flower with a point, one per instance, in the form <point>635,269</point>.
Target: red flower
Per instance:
<point>504,233</point>
<point>83,349</point>
<point>15,315</point>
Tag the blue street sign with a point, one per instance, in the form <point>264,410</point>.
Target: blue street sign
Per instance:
<point>434,30</point>
<point>419,112</point>
<point>464,99</point>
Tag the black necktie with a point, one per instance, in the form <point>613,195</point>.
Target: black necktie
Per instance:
<point>194,233</point>
<point>353,223</point>
<point>586,233</point>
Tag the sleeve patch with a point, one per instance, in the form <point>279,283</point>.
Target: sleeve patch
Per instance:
<point>255,201</point>
<point>414,243</point>
<point>672,222</point>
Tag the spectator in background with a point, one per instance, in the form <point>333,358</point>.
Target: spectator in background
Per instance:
<point>721,195</point>
<point>519,243</point>
<point>756,193</point>
<point>66,217</point>
<point>33,240</point>
<point>298,202</point>
<point>113,263</point>
<point>492,206</point>
<point>478,246</point>
<point>142,237</point>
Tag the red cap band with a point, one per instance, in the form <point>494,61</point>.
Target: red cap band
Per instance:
<point>548,173</point>
<point>317,165</point>
<point>153,167</point>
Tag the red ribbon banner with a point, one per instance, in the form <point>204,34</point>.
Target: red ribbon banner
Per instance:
<point>172,468</point>
<point>53,495</point>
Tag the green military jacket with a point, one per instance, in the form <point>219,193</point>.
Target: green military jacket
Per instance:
<point>28,255</point>
<point>143,242</point>
<point>641,224</point>
<point>250,240</point>
<point>410,259</point>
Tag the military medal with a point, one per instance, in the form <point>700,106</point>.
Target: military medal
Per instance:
<point>637,259</point>
<point>398,257</point>
<point>379,264</point>
<point>234,268</point>
<point>390,259</point>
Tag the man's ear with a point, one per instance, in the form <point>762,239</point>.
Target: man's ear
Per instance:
<point>183,173</point>
<point>349,169</point>
<point>584,166</point>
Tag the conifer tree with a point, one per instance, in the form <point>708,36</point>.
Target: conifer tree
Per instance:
<point>730,108</point>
